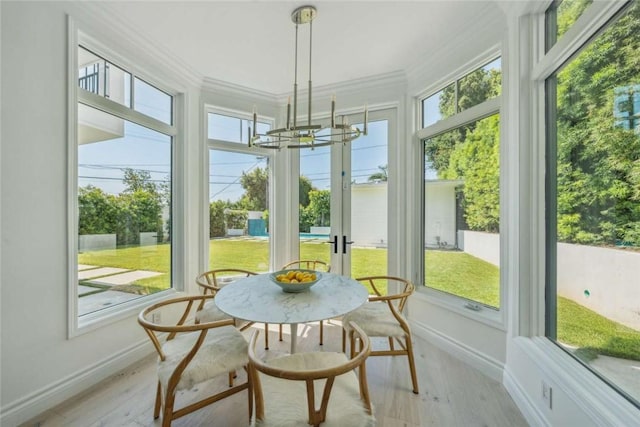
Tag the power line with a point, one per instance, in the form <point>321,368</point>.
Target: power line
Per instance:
<point>103,167</point>
<point>107,178</point>
<point>235,181</point>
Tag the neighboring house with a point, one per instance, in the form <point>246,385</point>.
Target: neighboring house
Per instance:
<point>369,200</point>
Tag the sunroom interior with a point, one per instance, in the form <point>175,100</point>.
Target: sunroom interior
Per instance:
<point>495,165</point>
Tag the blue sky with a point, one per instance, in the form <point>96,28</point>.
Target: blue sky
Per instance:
<point>368,152</point>
<point>102,164</point>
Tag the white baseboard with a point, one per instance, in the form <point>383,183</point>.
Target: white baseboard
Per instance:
<point>32,405</point>
<point>485,364</point>
<point>529,411</point>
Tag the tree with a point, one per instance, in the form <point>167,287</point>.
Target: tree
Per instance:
<point>319,208</point>
<point>217,227</point>
<point>471,152</point>
<point>379,176</point>
<point>476,161</point>
<point>474,88</point>
<point>236,219</point>
<point>255,185</point>
<point>137,212</point>
<point>304,187</point>
<point>97,211</point>
<point>598,157</point>
<point>135,180</point>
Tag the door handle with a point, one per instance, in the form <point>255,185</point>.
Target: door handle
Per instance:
<point>345,243</point>
<point>335,244</point>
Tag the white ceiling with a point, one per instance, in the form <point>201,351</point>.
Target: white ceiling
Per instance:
<point>251,43</point>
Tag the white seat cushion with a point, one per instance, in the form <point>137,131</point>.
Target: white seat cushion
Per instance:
<point>375,319</point>
<point>286,400</point>
<point>223,350</point>
<point>210,313</point>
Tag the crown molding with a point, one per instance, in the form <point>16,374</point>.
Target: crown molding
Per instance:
<point>476,32</point>
<point>379,81</point>
<point>392,80</point>
<point>220,86</point>
<point>95,18</point>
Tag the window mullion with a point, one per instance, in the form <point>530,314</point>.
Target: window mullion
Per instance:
<point>472,114</point>
<point>123,112</point>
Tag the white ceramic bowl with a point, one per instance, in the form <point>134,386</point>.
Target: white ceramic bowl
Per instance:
<point>295,287</point>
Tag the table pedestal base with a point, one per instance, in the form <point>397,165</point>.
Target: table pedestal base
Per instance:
<point>294,336</point>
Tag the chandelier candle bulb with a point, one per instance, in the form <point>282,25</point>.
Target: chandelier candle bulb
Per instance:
<point>255,120</point>
<point>366,117</point>
<point>333,111</point>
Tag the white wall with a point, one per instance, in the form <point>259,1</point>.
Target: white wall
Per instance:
<point>440,213</point>
<point>485,246</point>
<point>41,366</point>
<point>369,214</point>
<point>478,341</point>
<point>604,280</point>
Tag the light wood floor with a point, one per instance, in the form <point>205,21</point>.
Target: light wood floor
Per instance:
<point>451,392</point>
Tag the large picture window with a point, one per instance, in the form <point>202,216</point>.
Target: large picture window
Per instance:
<point>239,196</point>
<point>593,204</point>
<point>124,186</point>
<point>461,188</point>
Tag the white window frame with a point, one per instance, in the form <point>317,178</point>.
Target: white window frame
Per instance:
<point>80,325</point>
<point>496,318</point>
<point>600,401</point>
<point>243,148</point>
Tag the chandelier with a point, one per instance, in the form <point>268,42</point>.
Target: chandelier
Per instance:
<point>295,135</point>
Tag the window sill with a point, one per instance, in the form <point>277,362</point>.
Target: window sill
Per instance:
<point>98,319</point>
<point>485,315</point>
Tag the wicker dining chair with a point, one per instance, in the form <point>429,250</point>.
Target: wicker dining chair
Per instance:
<point>211,282</point>
<point>316,388</point>
<point>382,316</point>
<point>315,265</point>
<point>191,353</point>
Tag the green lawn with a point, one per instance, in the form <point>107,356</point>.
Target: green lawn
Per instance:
<point>602,336</point>
<point>151,258</point>
<point>450,271</point>
<point>464,275</point>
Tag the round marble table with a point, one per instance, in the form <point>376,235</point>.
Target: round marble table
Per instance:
<point>258,299</point>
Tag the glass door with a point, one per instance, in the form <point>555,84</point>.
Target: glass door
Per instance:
<point>343,203</point>
<point>314,209</point>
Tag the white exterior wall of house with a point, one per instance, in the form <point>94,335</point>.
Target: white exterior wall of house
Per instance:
<point>369,214</point>
<point>370,201</point>
<point>440,213</point>
<point>94,125</point>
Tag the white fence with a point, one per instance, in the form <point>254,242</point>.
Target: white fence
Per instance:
<point>148,238</point>
<point>94,242</point>
<point>604,280</point>
<point>320,230</point>
<point>485,246</point>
